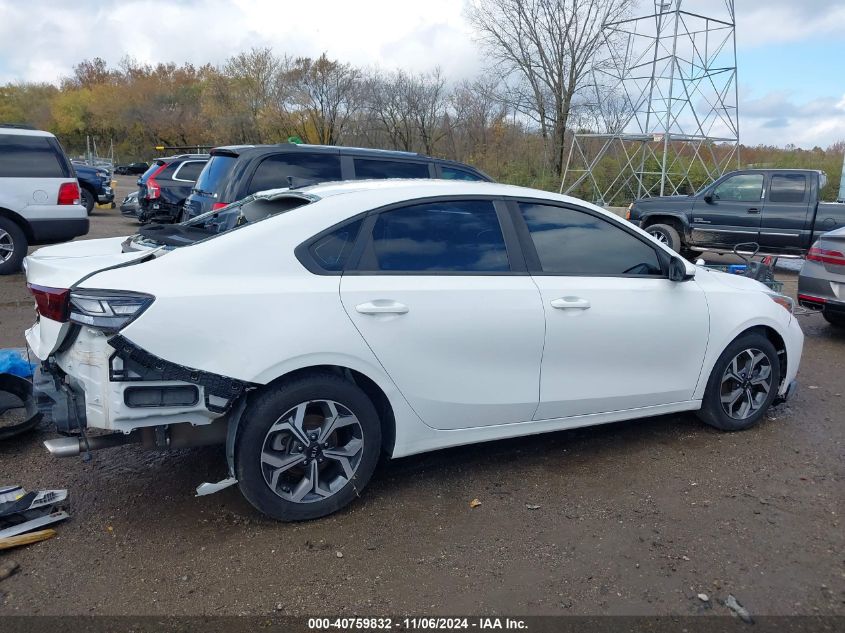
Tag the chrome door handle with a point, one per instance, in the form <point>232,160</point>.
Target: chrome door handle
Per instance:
<point>382,306</point>
<point>568,303</point>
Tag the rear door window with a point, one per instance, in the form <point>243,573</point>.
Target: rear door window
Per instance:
<point>275,172</point>
<point>23,156</point>
<point>459,236</point>
<point>788,188</point>
<point>368,168</point>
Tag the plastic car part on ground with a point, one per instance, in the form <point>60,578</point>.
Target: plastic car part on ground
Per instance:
<point>13,361</point>
<point>18,410</point>
<point>22,511</point>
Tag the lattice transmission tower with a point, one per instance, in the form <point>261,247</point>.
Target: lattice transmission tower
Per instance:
<point>664,113</point>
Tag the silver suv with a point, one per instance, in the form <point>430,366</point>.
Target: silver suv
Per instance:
<point>39,195</point>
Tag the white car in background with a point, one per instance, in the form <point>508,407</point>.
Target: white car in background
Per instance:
<point>313,329</point>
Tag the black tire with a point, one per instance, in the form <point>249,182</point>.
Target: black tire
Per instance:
<point>266,410</point>
<point>11,236</point>
<point>87,199</point>
<point>836,320</point>
<point>713,410</point>
<point>666,234</point>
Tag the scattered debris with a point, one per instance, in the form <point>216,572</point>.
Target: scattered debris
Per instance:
<point>704,597</point>
<point>22,511</point>
<point>732,604</point>
<point>339,554</point>
<point>812,387</point>
<point>26,539</point>
<point>531,506</point>
<point>7,569</point>
<point>685,557</point>
<point>474,503</point>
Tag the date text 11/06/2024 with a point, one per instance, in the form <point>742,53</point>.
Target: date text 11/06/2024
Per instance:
<point>418,623</point>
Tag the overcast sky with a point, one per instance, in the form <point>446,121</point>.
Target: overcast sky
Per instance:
<point>790,52</point>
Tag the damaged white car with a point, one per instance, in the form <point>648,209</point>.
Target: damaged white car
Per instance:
<point>312,330</point>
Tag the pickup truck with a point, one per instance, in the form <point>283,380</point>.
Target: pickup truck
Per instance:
<point>779,209</point>
<point>94,186</point>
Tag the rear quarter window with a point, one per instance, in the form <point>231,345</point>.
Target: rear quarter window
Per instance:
<point>366,168</point>
<point>31,157</point>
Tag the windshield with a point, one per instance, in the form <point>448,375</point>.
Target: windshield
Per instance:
<point>216,170</point>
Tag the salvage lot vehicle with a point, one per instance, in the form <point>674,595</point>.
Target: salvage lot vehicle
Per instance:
<point>39,195</point>
<point>777,208</point>
<point>237,171</point>
<point>132,169</point>
<point>821,282</point>
<point>94,185</point>
<point>129,206</point>
<point>163,188</point>
<point>395,316</point>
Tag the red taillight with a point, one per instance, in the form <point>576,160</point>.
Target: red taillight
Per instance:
<point>219,205</point>
<point>816,254</point>
<point>153,190</point>
<point>68,193</point>
<point>52,303</point>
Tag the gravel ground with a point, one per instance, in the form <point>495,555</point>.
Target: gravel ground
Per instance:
<point>632,518</point>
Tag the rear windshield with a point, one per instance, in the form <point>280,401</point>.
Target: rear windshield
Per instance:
<point>215,172</point>
<point>23,156</point>
<point>151,169</point>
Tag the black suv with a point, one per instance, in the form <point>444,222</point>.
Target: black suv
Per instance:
<point>237,171</point>
<point>163,188</point>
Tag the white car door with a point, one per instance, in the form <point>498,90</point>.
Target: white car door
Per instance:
<point>619,334</point>
<point>456,323</point>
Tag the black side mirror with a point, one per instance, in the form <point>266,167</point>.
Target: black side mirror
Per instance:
<point>708,198</point>
<point>677,269</point>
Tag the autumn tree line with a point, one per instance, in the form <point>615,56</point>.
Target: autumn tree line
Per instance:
<point>514,120</point>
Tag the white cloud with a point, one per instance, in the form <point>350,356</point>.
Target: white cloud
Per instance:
<point>775,119</point>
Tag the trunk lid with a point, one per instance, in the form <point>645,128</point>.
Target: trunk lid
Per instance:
<point>63,266</point>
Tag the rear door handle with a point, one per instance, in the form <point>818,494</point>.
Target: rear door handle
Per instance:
<point>754,210</point>
<point>570,303</point>
<point>382,306</point>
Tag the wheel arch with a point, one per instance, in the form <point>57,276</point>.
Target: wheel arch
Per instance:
<point>22,224</point>
<point>679,222</point>
<point>368,385</point>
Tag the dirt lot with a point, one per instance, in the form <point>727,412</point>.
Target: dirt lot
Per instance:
<point>633,518</point>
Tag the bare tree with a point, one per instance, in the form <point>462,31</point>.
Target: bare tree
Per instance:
<point>327,94</point>
<point>545,50</point>
<point>428,105</point>
<point>253,84</point>
<point>388,97</point>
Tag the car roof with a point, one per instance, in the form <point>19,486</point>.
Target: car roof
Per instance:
<point>257,150</point>
<point>408,189</point>
<point>170,159</point>
<point>19,131</point>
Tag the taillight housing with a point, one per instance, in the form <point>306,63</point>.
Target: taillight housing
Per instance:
<point>51,303</point>
<point>219,205</point>
<point>153,189</point>
<point>68,193</point>
<point>825,256</point>
<point>107,309</point>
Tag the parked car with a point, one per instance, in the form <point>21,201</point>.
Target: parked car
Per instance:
<point>821,282</point>
<point>777,208</point>
<point>132,169</point>
<point>237,171</point>
<point>396,316</point>
<point>94,186</point>
<point>163,188</point>
<point>39,195</point>
<point>129,206</point>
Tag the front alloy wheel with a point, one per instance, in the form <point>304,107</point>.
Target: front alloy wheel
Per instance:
<point>743,384</point>
<point>307,447</point>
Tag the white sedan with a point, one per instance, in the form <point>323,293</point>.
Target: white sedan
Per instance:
<point>313,329</point>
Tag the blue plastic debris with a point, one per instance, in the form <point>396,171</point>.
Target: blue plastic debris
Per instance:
<point>13,361</point>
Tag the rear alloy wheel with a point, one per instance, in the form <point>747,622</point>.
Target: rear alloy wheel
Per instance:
<point>307,448</point>
<point>13,246</point>
<point>665,234</point>
<point>743,384</point>
<point>87,199</point>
